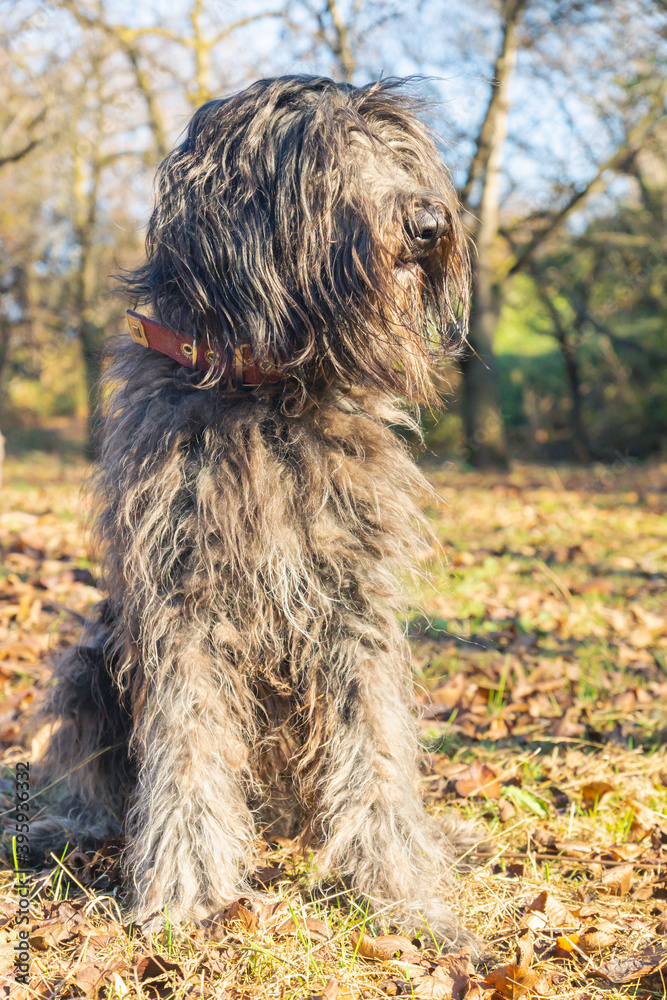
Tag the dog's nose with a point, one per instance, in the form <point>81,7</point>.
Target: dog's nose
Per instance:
<point>427,228</point>
<point>432,224</point>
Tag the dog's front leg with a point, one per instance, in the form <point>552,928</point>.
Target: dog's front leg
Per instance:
<point>190,828</point>
<point>374,826</point>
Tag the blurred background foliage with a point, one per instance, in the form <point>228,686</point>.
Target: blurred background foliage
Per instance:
<point>552,114</point>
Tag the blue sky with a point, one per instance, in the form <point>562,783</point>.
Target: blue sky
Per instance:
<point>563,118</point>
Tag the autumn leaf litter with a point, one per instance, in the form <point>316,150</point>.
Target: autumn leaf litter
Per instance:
<point>540,651</point>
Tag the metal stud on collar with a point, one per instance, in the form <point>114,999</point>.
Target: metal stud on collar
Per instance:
<point>190,350</point>
<point>137,332</point>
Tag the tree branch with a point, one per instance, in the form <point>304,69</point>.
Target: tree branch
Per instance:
<point>242,23</point>
<point>341,46</point>
<point>598,182</point>
<point>126,38</point>
<point>502,71</point>
<point>19,154</point>
<point>30,144</point>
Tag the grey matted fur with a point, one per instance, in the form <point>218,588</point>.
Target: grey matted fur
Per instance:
<point>249,666</point>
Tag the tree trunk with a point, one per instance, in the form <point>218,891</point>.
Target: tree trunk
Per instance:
<point>486,445</point>
<point>484,429</point>
<point>580,444</point>
<point>5,328</point>
<point>341,42</point>
<point>86,186</point>
<point>4,351</point>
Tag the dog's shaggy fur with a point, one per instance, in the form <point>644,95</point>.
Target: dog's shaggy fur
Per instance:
<point>248,665</point>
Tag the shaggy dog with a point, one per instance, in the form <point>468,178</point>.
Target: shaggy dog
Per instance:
<point>305,267</point>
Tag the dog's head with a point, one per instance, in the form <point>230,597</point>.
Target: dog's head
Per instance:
<point>315,222</point>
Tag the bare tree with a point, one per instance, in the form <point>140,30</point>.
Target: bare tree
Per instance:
<point>198,36</point>
<point>499,259</point>
<point>484,428</point>
<point>153,73</point>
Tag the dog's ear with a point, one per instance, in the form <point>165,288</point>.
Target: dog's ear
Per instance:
<point>226,252</point>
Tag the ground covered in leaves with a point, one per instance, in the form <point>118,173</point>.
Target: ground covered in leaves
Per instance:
<point>539,646</point>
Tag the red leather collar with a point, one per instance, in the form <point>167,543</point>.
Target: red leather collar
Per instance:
<point>243,370</point>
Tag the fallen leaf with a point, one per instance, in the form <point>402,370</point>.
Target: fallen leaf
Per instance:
<point>314,928</point>
<point>498,729</point>
<point>625,852</point>
<point>438,985</point>
<point>463,558</point>
<point>568,727</point>
<point>448,978</point>
<point>506,811</point>
<point>477,991</point>
<point>384,948</point>
<point>479,781</point>
<point>592,910</point>
<point>104,938</point>
<point>394,987</point>
<point>456,968</point>
<point>617,880</point>
<point>330,991</point>
<point>446,696</point>
<point>238,912</point>
<point>643,820</point>
<point>624,970</point>
<point>90,975</point>
<point>65,920</point>
<point>543,839</point>
<point>268,875</point>
<point>251,913</point>
<point>573,848</point>
<point>523,799</point>
<point>512,982</point>
<point>64,909</point>
<point>596,937</point>
<point>566,946</point>
<point>149,967</point>
<point>625,701</point>
<point>524,948</point>
<point>559,798</point>
<point>641,637</point>
<point>546,911</point>
<point>594,792</point>
<point>271,915</point>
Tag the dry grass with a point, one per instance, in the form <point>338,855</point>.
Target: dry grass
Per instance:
<point>539,648</point>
